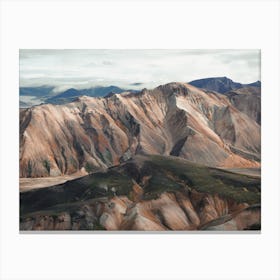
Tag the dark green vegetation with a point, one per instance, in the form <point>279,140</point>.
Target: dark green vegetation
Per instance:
<point>47,165</point>
<point>155,174</point>
<point>92,186</point>
<point>171,173</point>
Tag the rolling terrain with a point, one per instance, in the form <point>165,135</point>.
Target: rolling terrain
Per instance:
<point>147,193</point>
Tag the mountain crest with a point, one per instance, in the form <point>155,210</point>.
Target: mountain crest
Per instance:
<point>172,119</point>
<point>220,84</point>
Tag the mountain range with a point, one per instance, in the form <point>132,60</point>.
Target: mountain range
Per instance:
<point>30,96</point>
<point>174,119</point>
<point>221,84</point>
<point>176,157</point>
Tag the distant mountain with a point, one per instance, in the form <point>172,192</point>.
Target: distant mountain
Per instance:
<point>221,84</point>
<point>41,91</point>
<point>255,84</point>
<point>71,94</point>
<point>30,96</point>
<point>23,104</point>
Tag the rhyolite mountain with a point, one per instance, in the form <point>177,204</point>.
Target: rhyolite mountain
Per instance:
<point>175,119</point>
<point>151,192</point>
<point>221,84</point>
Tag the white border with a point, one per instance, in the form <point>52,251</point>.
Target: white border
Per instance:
<point>184,24</point>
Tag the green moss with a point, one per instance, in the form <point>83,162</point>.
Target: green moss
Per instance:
<point>74,162</point>
<point>47,165</point>
<point>89,167</point>
<point>108,156</point>
<point>105,156</point>
<point>168,173</point>
<point>29,169</point>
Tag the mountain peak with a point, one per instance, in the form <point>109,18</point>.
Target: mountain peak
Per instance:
<point>255,84</point>
<point>110,94</point>
<point>219,84</point>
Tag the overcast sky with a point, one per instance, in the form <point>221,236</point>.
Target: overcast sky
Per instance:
<point>134,68</point>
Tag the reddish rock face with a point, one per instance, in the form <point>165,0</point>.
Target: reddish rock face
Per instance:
<point>174,119</point>
<point>148,192</point>
<point>248,101</point>
<point>171,211</point>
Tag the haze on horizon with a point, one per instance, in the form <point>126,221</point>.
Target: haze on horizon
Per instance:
<point>133,69</point>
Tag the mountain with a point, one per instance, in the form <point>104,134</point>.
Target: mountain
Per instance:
<point>147,193</point>
<point>255,84</point>
<point>23,104</point>
<point>221,84</point>
<point>247,100</point>
<point>175,119</point>
<point>30,96</point>
<point>41,91</point>
<point>70,94</point>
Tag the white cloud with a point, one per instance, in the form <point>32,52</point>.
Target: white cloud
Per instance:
<point>134,68</point>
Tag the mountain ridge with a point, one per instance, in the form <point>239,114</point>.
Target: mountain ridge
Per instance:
<point>47,95</point>
<point>173,119</point>
<point>221,84</point>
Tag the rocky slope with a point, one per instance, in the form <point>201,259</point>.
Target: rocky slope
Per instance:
<point>147,193</point>
<point>248,101</point>
<point>174,119</point>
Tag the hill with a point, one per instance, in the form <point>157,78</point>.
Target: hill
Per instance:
<point>147,193</point>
